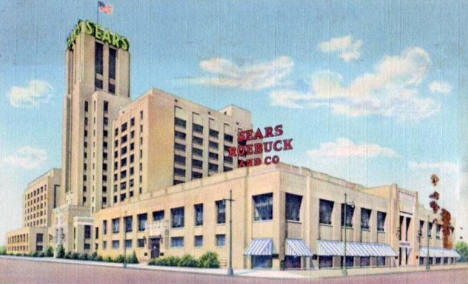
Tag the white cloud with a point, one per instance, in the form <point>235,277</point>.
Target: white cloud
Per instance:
<point>248,77</point>
<point>344,46</point>
<point>31,95</point>
<point>27,157</point>
<point>443,166</point>
<point>440,87</point>
<point>389,91</point>
<point>344,148</point>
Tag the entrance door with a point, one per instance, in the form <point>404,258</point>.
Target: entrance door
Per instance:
<point>154,247</point>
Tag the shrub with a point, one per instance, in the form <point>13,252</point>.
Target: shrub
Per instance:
<point>108,259</point>
<point>2,250</point>
<point>49,252</point>
<point>75,255</point>
<point>209,260</point>
<point>166,261</point>
<point>68,255</point>
<point>83,256</point>
<point>60,252</point>
<point>93,256</point>
<point>188,261</point>
<point>35,254</point>
<point>41,254</point>
<point>132,258</point>
<point>119,259</point>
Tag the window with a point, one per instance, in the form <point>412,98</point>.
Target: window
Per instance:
<point>179,135</point>
<point>364,260</point>
<point>86,107</point>
<point>212,167</point>
<point>263,207</point>
<point>429,227</point>
<point>213,155</point>
<point>325,261</point>
<point>381,260</point>
<point>128,243</point>
<point>365,216</point>
<point>293,207</point>
<point>104,245</point>
<point>197,128</point>
<point>142,221</point>
<point>180,122</point>
<point>198,241</point>
<point>98,55</point>
<point>197,140</point>
<point>220,240</point>
<point>115,225</point>
<point>326,209</point>
<point>438,228</point>
<point>112,57</point>
<point>158,215</point>
<point>104,227</point>
<point>421,226</point>
<point>261,261</point>
<point>381,216</point>
<point>128,223</point>
<point>179,147</point>
<point>115,244</point>
<point>179,160</point>
<point>87,231</point>
<point>228,159</point>
<point>197,164</point>
<point>228,137</point>
<point>220,212</point>
<point>198,214</point>
<point>177,242</point>
<point>85,246</point>
<point>348,222</point>
<point>179,172</point>
<point>198,152</point>
<point>349,261</point>
<point>141,243</point>
<point>214,133</point>
<point>213,145</point>
<point>177,217</point>
<point>106,106</point>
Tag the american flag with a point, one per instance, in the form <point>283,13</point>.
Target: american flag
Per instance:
<point>104,8</point>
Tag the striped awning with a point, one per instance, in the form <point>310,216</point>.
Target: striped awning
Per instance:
<point>354,249</point>
<point>260,247</point>
<point>438,252</point>
<point>297,247</point>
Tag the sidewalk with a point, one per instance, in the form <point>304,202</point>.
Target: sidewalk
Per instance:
<point>289,274</point>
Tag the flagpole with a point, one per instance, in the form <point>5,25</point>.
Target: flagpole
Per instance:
<point>97,13</point>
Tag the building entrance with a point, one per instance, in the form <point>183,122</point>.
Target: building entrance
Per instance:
<point>154,247</point>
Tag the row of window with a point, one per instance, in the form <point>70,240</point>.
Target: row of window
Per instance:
<point>347,213</point>
<point>37,191</point>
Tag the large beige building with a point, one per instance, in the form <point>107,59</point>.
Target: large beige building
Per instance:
<point>39,201</point>
<point>152,176</point>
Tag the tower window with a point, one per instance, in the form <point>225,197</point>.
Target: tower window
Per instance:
<point>112,57</point>
<point>98,56</point>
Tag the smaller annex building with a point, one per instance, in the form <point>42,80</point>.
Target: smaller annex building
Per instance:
<point>283,216</point>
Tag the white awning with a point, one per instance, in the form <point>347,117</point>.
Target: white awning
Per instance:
<point>260,247</point>
<point>354,249</point>
<point>297,247</point>
<point>438,252</point>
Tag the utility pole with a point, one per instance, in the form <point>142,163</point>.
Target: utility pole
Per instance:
<point>125,239</point>
<point>427,237</point>
<point>230,272</point>
<point>345,271</point>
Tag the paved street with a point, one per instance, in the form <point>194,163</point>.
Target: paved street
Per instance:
<point>25,271</point>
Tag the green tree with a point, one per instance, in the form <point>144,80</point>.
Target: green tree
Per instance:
<point>60,253</point>
<point>462,249</point>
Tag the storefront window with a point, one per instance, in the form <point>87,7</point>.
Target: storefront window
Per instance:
<point>349,261</point>
<point>292,261</point>
<point>293,207</point>
<point>381,261</point>
<point>365,261</point>
<point>263,207</point>
<point>326,209</point>
<point>325,261</point>
<point>261,261</point>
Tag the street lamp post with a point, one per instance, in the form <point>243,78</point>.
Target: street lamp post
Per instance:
<point>345,271</point>
<point>230,271</point>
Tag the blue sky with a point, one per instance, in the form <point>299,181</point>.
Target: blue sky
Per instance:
<point>369,90</point>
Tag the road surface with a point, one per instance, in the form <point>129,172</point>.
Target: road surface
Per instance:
<point>27,271</point>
